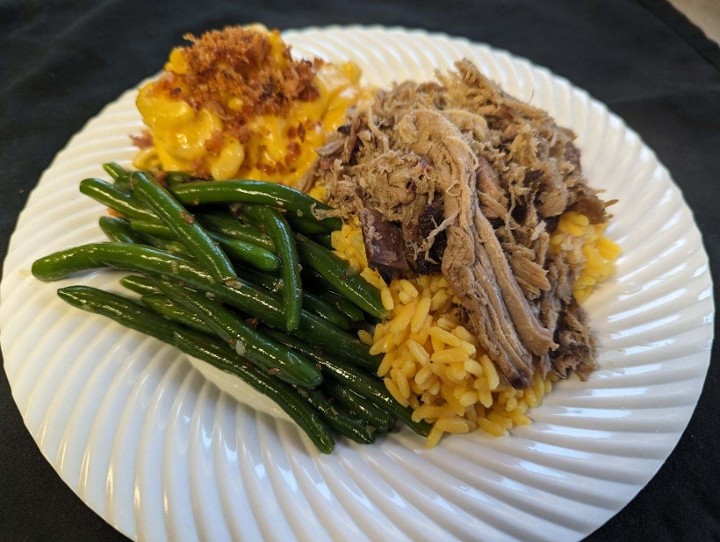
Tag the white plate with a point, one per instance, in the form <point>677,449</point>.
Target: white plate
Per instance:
<point>163,449</point>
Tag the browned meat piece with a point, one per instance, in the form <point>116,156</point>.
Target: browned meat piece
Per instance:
<point>384,245</point>
<point>331,147</point>
<point>590,205</point>
<point>427,261</point>
<point>552,301</point>
<point>577,346</point>
<point>572,155</point>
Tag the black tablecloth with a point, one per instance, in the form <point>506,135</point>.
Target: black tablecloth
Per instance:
<point>61,61</point>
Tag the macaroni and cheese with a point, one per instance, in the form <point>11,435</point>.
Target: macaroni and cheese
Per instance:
<point>235,103</point>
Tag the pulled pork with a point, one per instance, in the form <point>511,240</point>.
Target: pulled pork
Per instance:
<point>460,178</point>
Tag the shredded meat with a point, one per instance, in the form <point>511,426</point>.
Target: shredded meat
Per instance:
<point>473,181</point>
<point>474,260</point>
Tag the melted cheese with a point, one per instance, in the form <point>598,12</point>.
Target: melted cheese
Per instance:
<point>280,149</point>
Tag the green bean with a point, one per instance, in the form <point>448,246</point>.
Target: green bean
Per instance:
<point>272,357</point>
<point>216,353</point>
<point>153,227</point>
<point>258,278</point>
<point>137,317</point>
<point>183,224</point>
<point>121,176</point>
<point>174,246</point>
<point>311,302</point>
<point>306,226</point>
<point>231,227</point>
<point>340,421</point>
<point>118,229</point>
<point>325,239</point>
<point>282,236</point>
<point>247,191</point>
<point>346,281</point>
<point>105,193</point>
<point>358,406</point>
<point>139,284</point>
<point>115,170</point>
<point>129,313</point>
<point>326,311</point>
<point>132,257</point>
<point>174,178</point>
<point>368,386</point>
<point>236,249</point>
<point>256,302</point>
<point>317,283</point>
<point>248,253</point>
<point>344,306</point>
<point>164,306</point>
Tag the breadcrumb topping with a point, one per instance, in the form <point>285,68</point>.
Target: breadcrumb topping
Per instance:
<point>250,69</point>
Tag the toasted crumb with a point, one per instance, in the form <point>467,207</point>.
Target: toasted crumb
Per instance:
<point>251,69</point>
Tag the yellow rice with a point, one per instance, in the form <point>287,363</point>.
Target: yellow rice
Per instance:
<point>585,244</point>
<point>435,365</point>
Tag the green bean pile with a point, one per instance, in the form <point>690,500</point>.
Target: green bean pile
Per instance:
<point>239,275</point>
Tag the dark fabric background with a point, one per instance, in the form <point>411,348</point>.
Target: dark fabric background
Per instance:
<point>60,62</point>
